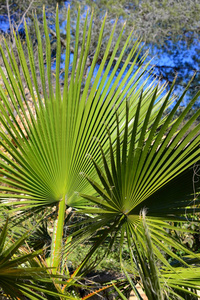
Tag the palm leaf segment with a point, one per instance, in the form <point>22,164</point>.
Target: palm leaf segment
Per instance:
<point>21,274</point>
<point>161,283</point>
<point>45,139</point>
<point>149,169</point>
<point>145,163</point>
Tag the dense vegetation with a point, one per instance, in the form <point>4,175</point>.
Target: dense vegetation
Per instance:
<point>94,162</point>
<point>170,29</point>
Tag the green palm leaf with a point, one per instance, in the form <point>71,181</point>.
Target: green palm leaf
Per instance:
<point>48,141</point>
<point>149,169</point>
<point>46,136</point>
<point>161,283</point>
<point>21,275</point>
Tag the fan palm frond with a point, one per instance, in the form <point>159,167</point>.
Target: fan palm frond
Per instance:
<point>46,136</point>
<point>149,169</point>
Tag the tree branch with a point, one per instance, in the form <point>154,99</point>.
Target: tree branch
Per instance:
<point>22,18</point>
<point>63,41</point>
<point>177,68</point>
<point>9,19</point>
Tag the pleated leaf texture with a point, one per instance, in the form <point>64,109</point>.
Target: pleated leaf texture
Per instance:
<point>48,137</point>
<point>148,168</point>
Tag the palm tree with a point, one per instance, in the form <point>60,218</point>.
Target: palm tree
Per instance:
<point>46,138</point>
<point>101,136</point>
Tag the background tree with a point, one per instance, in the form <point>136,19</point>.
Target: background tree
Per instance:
<point>170,29</point>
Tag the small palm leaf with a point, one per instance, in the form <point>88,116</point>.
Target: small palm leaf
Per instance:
<point>40,238</point>
<point>147,169</point>
<point>165,283</point>
<point>20,274</point>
